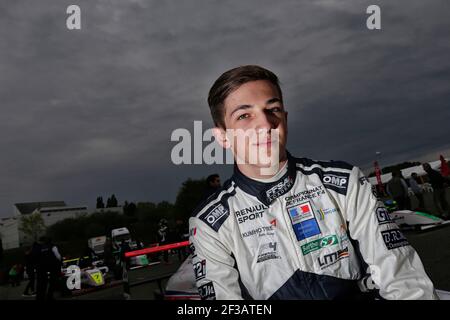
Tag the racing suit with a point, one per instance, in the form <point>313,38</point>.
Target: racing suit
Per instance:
<point>317,233</point>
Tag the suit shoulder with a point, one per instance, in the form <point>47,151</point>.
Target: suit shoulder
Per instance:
<point>214,211</point>
<point>334,175</point>
<point>323,164</point>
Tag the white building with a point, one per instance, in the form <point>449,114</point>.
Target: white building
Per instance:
<point>51,213</point>
<point>9,232</point>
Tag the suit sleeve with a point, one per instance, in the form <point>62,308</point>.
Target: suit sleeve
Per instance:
<point>395,266</point>
<point>213,264</point>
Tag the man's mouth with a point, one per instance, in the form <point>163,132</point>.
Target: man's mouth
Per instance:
<point>263,144</point>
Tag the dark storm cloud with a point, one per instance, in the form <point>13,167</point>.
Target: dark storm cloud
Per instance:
<point>90,112</point>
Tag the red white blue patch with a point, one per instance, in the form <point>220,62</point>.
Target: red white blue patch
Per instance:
<point>303,221</point>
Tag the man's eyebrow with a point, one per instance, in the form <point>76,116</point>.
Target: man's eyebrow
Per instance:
<point>273,100</point>
<point>241,107</point>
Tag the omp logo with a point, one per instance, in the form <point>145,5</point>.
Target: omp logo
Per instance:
<point>319,244</point>
<point>279,189</point>
<point>218,212</point>
<point>200,270</point>
<point>383,215</point>
<point>335,180</point>
<point>332,258</point>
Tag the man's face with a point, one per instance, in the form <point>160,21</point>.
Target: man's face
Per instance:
<point>256,109</point>
<point>215,183</point>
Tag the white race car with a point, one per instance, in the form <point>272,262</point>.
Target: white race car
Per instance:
<point>413,220</point>
<point>91,274</point>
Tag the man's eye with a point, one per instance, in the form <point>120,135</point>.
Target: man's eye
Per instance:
<point>275,109</point>
<point>243,116</point>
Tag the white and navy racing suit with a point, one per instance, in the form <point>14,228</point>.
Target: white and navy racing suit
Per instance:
<point>316,233</point>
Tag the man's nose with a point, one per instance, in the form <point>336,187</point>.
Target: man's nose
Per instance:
<point>265,121</point>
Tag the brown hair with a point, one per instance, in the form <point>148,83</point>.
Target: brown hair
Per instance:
<point>230,81</point>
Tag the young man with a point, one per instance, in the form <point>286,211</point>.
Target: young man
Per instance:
<point>309,230</point>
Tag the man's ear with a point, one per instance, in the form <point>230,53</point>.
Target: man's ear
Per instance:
<point>221,137</point>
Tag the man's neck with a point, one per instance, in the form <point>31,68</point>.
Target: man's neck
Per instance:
<point>257,172</point>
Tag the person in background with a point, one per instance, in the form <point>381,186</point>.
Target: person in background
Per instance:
<point>14,275</point>
<point>398,190</point>
<point>163,234</point>
<point>181,234</point>
<point>439,185</point>
<point>417,189</point>
<point>48,269</point>
<point>212,185</point>
<point>30,267</point>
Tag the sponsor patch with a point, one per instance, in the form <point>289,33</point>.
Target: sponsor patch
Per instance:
<point>250,213</point>
<point>374,191</point>
<point>199,270</point>
<point>207,291</point>
<point>306,229</point>
<point>394,239</point>
<point>305,195</point>
<point>303,221</point>
<point>337,181</point>
<point>323,212</point>
<point>331,258</point>
<point>267,251</point>
<point>301,212</point>
<point>192,249</point>
<point>215,217</point>
<point>260,232</point>
<point>319,244</point>
<point>363,180</point>
<point>279,189</point>
<point>192,232</point>
<point>383,215</point>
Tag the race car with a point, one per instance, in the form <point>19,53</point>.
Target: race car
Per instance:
<point>92,273</point>
<point>181,285</point>
<point>412,220</point>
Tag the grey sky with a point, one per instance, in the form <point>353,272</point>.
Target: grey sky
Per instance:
<point>90,112</point>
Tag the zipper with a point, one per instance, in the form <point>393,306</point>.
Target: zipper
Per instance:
<point>290,230</point>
